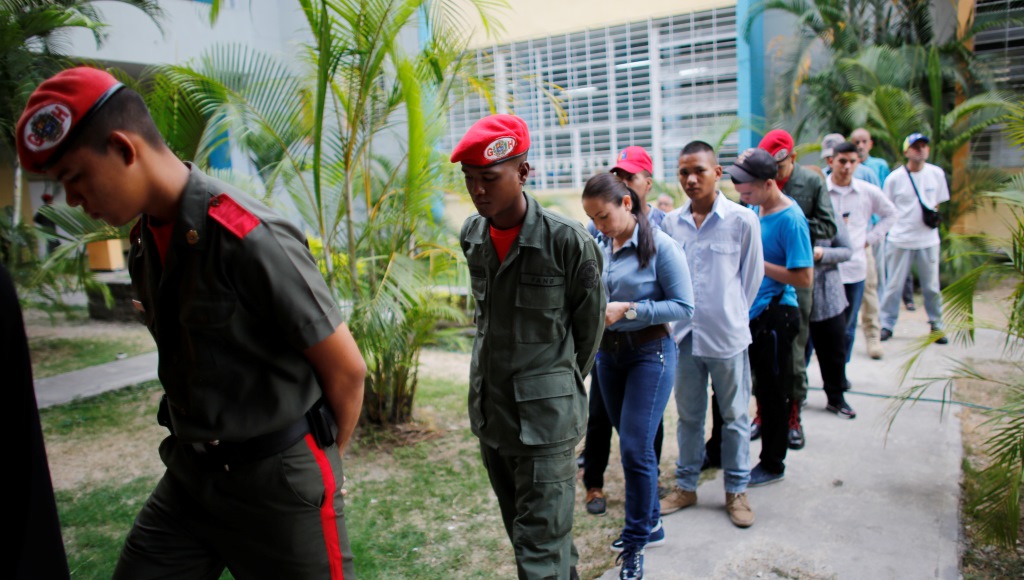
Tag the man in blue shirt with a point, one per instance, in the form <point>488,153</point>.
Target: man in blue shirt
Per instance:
<point>722,241</point>
<point>775,314</point>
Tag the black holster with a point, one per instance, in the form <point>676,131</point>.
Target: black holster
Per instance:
<point>322,425</point>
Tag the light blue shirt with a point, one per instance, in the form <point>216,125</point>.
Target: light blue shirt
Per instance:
<point>728,266</point>
<point>879,166</point>
<point>662,291</point>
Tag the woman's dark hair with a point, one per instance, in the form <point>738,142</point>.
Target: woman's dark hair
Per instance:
<point>609,188</point>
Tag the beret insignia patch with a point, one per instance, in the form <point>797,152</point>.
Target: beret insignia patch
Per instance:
<point>781,154</point>
<point>500,148</point>
<point>47,127</point>
<point>589,275</point>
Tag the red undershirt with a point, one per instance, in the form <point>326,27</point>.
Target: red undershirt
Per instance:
<point>162,237</point>
<point>502,240</point>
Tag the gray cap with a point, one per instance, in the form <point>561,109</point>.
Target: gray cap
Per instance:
<point>829,142</point>
<point>752,165</point>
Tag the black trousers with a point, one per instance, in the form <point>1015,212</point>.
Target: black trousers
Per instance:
<point>771,352</point>
<point>829,339</point>
<point>598,444</point>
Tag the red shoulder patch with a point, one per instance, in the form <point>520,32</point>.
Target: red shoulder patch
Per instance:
<point>230,214</point>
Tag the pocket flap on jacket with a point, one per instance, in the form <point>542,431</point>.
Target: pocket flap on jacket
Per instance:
<point>544,386</point>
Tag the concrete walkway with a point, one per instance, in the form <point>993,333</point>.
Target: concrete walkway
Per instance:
<point>92,381</point>
<point>855,503</point>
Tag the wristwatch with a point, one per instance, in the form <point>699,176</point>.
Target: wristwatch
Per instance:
<point>631,313</point>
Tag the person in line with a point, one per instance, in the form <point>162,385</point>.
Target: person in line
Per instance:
<point>722,241</point>
<point>874,279</point>
<point>808,190</point>
<point>666,203</point>
<point>255,360</point>
<point>911,241</point>
<point>540,303</point>
<point>774,314</point>
<point>648,285</point>
<point>828,144</point>
<point>634,166</point>
<point>856,201</point>
<point>38,547</point>
<point>828,319</point>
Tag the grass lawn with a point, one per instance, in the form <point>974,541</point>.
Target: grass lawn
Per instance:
<point>419,503</point>
<point>54,356</point>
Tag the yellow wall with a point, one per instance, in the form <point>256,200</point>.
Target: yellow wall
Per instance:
<point>526,19</point>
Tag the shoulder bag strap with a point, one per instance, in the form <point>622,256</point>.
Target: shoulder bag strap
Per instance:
<point>916,192</point>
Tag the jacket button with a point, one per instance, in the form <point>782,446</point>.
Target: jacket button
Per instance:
<point>192,237</point>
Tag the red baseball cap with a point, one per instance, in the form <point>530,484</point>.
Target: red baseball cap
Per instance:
<point>56,109</point>
<point>634,159</point>
<point>493,140</point>
<point>778,143</point>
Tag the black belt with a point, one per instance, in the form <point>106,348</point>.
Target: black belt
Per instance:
<point>221,454</point>
<point>225,453</point>
<point>628,340</point>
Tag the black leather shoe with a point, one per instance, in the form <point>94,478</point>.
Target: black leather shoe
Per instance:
<point>796,437</point>
<point>580,461</point>
<point>755,431</point>
<point>942,338</point>
<point>885,335</point>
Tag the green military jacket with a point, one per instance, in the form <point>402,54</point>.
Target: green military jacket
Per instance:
<point>808,189</point>
<point>237,300</point>
<point>539,317</point>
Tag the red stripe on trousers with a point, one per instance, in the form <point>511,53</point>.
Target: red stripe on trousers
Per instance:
<point>328,517</point>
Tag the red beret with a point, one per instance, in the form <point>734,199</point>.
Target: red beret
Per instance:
<point>778,143</point>
<point>634,160</point>
<point>492,140</point>
<point>55,110</point>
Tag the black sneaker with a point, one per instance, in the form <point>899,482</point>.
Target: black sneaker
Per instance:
<point>841,408</point>
<point>942,335</point>
<point>596,503</point>
<point>632,564</point>
<point>795,437</point>
<point>910,306</point>
<point>580,461</point>
<point>760,476</point>
<point>885,335</point>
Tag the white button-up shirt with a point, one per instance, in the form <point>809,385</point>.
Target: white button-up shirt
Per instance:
<point>854,205</point>
<point>726,268</point>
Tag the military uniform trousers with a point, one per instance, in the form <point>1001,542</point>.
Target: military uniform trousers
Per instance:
<point>278,517</point>
<point>798,360</point>
<point>536,495</point>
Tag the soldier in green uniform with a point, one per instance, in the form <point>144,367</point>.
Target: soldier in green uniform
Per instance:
<point>808,190</point>
<point>254,356</point>
<point>539,313</point>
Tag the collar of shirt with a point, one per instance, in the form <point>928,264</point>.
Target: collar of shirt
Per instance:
<point>854,186</point>
<point>717,206</point>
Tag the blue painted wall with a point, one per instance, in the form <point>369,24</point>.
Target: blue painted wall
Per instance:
<point>750,73</point>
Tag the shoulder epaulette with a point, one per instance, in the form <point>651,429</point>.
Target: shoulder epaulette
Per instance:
<point>230,214</point>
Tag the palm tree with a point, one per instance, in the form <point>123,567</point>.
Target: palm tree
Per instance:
<point>33,44</point>
<point>996,503</point>
<point>317,136</point>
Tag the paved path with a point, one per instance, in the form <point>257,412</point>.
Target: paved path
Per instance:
<point>92,381</point>
<point>855,503</point>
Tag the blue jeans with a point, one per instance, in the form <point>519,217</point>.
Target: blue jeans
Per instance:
<point>636,384</point>
<point>897,265</point>
<point>854,297</point>
<point>730,381</point>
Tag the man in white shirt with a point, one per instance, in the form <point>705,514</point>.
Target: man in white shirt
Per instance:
<point>911,240</point>
<point>722,240</point>
<point>854,201</point>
